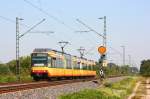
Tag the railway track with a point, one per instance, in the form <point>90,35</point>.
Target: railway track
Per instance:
<point>5,88</point>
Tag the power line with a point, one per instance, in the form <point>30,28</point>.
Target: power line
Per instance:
<point>115,50</point>
<point>90,28</point>
<point>51,16</point>
<point>31,28</point>
<point>89,52</point>
<point>7,19</point>
<point>39,2</point>
<point>12,21</point>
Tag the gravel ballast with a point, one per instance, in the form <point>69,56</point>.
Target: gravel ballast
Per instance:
<point>51,92</point>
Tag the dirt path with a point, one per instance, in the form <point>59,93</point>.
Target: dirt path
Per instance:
<point>142,90</point>
<point>134,91</point>
<point>147,89</point>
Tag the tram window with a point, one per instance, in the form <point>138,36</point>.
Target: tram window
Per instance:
<point>68,64</point>
<point>88,67</point>
<point>78,65</point>
<point>68,61</point>
<point>91,67</point>
<point>39,61</point>
<point>59,63</point>
<point>74,64</point>
<point>53,61</point>
<point>81,65</point>
<point>49,61</point>
<point>84,67</point>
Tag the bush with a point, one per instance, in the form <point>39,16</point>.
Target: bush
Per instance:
<point>108,84</point>
<point>26,78</point>
<point>7,78</point>
<point>4,69</point>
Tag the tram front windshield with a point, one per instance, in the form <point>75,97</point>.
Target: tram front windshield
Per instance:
<point>39,59</point>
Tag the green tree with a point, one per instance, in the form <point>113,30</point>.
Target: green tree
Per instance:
<point>145,68</point>
<point>12,66</point>
<point>4,69</point>
<point>25,65</point>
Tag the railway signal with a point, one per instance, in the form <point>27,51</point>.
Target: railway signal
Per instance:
<point>103,63</point>
<point>102,50</point>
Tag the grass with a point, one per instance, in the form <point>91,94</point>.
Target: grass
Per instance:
<point>88,94</point>
<point>13,78</point>
<point>118,90</point>
<point>7,78</point>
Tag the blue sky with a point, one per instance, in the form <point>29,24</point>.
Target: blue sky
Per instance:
<point>127,24</point>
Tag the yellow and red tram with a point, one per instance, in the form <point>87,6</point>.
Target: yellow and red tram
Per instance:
<point>48,63</point>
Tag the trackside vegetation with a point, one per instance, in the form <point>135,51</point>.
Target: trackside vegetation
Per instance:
<point>8,70</point>
<point>117,90</point>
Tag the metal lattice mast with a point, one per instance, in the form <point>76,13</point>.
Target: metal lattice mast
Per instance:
<point>104,34</point>
<point>123,58</point>
<point>17,49</point>
<point>105,40</point>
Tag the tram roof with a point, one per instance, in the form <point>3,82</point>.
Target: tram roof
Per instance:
<point>40,50</point>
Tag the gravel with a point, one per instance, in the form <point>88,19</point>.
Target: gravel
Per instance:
<point>49,92</point>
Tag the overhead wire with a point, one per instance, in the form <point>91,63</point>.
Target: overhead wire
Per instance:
<point>115,50</point>
<point>50,15</point>
<point>7,19</point>
<point>13,21</point>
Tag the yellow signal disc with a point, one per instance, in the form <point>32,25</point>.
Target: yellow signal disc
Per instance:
<point>102,50</point>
